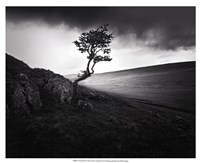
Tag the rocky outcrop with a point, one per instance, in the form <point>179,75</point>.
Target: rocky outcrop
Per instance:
<point>17,101</point>
<point>53,84</point>
<point>60,87</point>
<point>31,92</point>
<point>24,95</point>
<point>25,87</point>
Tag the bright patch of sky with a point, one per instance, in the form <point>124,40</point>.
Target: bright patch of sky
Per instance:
<point>51,47</point>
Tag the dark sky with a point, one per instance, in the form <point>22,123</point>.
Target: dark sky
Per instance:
<point>176,25</point>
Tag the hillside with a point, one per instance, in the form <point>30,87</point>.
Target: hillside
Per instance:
<point>169,85</point>
<point>41,123</point>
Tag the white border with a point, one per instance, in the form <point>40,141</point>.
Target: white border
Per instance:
<point>100,3</point>
<point>4,3</point>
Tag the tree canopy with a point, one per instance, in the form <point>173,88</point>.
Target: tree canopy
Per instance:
<point>96,43</point>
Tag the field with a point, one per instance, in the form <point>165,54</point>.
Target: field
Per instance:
<point>170,86</point>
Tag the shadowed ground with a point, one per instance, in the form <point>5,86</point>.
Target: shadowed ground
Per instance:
<point>117,129</point>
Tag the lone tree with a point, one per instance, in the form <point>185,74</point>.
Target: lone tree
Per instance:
<point>96,44</point>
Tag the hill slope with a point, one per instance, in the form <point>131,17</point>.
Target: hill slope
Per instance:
<point>170,85</point>
<point>40,124</point>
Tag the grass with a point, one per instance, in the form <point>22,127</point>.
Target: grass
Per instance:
<point>171,85</point>
<point>116,129</point>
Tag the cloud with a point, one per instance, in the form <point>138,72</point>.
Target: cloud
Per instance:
<point>158,27</point>
<point>51,47</point>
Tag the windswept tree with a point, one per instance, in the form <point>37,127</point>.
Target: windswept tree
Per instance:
<point>96,43</point>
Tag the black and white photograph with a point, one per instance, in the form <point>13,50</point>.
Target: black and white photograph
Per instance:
<point>100,82</point>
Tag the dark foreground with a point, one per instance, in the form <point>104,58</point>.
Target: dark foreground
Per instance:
<point>120,127</point>
<point>117,129</point>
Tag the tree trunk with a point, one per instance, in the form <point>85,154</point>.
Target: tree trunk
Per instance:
<point>74,100</point>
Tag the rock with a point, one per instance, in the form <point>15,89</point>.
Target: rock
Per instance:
<point>38,81</point>
<point>24,87</point>
<point>81,104</point>
<point>23,76</point>
<point>85,106</point>
<point>60,87</point>
<point>90,107</point>
<point>24,95</point>
<point>54,84</point>
<point>18,101</point>
<point>32,94</point>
